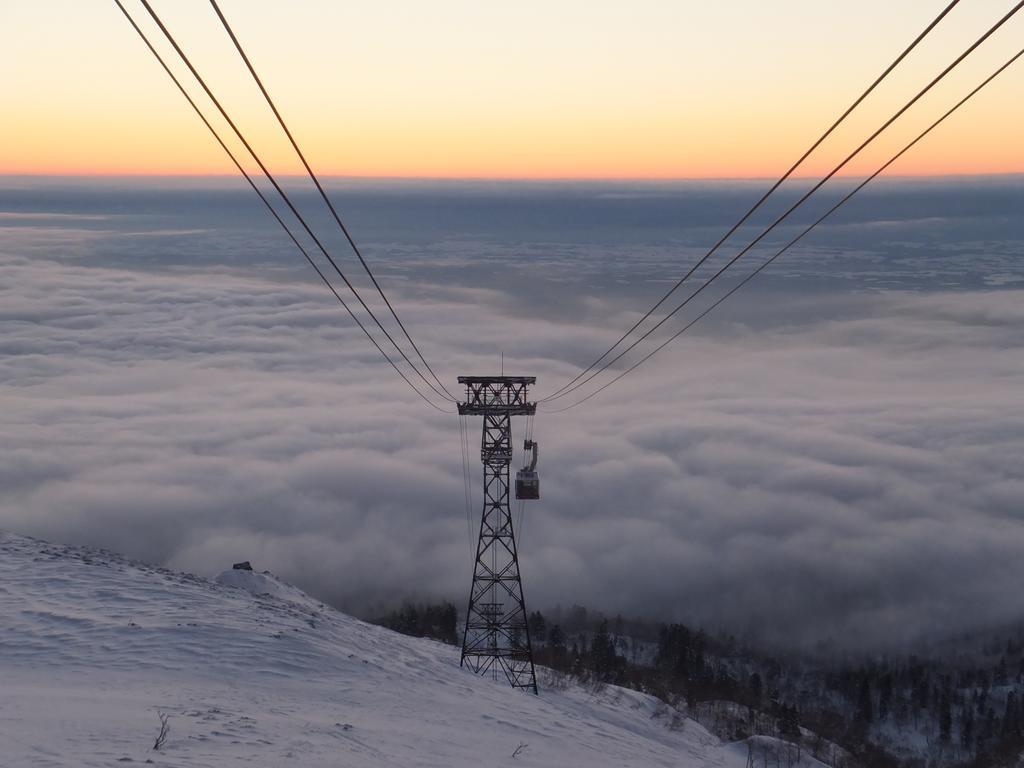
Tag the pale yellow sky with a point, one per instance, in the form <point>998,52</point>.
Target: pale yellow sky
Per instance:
<point>560,88</point>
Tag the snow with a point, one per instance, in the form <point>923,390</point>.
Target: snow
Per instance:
<point>254,672</point>
<point>265,584</point>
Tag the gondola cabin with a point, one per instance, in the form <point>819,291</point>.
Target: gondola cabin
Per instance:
<point>527,484</point>
<point>527,479</point>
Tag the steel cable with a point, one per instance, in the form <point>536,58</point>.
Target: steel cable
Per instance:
<point>761,200</point>
<point>799,202</point>
<point>464,445</point>
<point>799,237</point>
<point>267,203</point>
<point>323,193</point>
<point>270,177</point>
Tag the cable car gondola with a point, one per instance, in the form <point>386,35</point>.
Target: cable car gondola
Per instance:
<point>527,479</point>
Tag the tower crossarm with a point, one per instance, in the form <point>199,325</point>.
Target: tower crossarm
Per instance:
<point>491,395</point>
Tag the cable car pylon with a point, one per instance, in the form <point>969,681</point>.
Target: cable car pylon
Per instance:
<point>497,633</point>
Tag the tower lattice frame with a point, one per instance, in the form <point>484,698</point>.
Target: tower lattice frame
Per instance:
<point>497,633</point>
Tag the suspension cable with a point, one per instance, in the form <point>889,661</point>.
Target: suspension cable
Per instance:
<point>270,177</point>
<point>799,237</point>
<point>762,199</point>
<point>797,204</point>
<point>464,445</point>
<point>323,194</point>
<point>526,458</point>
<point>266,202</point>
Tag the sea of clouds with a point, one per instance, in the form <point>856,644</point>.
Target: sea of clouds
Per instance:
<point>834,457</point>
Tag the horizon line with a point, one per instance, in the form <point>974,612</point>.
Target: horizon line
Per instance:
<point>398,177</point>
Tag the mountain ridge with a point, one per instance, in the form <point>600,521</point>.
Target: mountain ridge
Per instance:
<point>95,646</point>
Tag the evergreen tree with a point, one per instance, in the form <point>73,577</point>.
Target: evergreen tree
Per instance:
<point>789,723</point>
<point>756,688</point>
<point>945,719</point>
<point>885,696</point>
<point>538,626</point>
<point>999,677</point>
<point>437,621</point>
<point>1011,717</point>
<point>556,647</point>
<point>602,653</point>
<point>988,730</point>
<point>921,687</point>
<point>865,712</point>
<point>576,660</point>
<point>619,629</point>
<point>967,729</point>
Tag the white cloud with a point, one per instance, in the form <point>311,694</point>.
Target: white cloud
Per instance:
<point>851,469</point>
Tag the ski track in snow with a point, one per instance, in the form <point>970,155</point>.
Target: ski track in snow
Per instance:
<point>93,645</point>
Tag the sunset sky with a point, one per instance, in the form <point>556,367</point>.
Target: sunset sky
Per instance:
<point>573,89</point>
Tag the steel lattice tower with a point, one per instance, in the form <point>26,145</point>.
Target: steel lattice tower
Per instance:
<point>497,633</point>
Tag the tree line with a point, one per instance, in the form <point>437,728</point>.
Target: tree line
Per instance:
<point>910,712</point>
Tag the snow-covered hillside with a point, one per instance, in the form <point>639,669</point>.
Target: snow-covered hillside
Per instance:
<point>252,671</point>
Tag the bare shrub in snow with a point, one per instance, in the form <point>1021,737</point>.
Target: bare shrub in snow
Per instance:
<point>552,680</point>
<point>165,729</point>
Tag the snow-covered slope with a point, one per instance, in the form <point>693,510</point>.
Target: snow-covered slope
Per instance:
<point>93,646</point>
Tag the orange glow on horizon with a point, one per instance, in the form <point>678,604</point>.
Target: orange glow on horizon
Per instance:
<point>467,91</point>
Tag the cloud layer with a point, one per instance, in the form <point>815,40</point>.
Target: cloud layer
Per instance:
<point>840,467</point>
